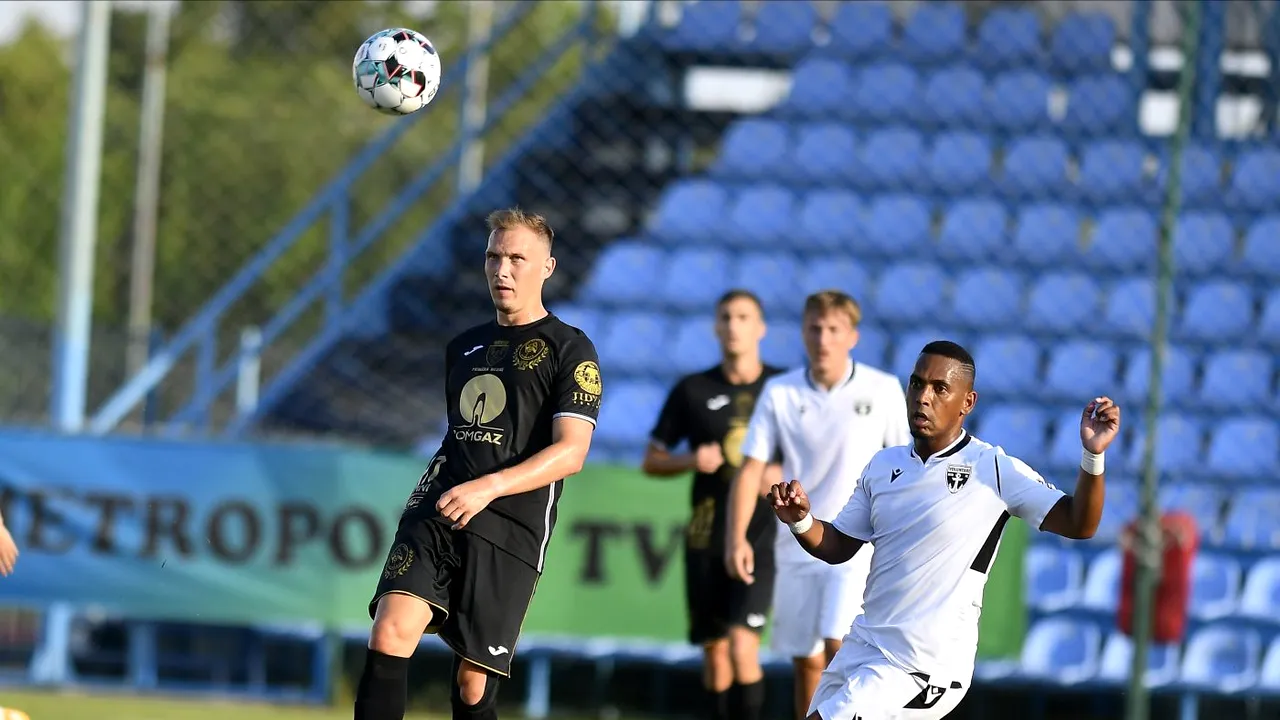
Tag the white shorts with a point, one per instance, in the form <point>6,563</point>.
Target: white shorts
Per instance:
<point>816,602</point>
<point>860,683</point>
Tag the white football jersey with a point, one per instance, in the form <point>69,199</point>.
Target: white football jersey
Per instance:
<point>825,437</point>
<point>935,526</point>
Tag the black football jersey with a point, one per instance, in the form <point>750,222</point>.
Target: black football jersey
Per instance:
<point>706,408</point>
<point>505,385</point>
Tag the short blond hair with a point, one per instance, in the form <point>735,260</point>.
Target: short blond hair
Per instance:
<point>511,218</point>
<point>825,301</point>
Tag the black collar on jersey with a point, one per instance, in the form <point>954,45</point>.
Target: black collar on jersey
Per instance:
<point>808,376</point>
<point>956,446</point>
<point>527,326</point>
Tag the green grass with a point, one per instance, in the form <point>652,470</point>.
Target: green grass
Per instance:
<point>77,706</point>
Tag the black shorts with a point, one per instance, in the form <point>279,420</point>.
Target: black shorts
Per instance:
<point>479,592</point>
<point>718,602</point>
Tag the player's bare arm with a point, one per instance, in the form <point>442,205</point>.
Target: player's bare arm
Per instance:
<point>818,537</point>
<point>660,462</point>
<point>8,550</point>
<point>1077,516</point>
<point>747,488</point>
<point>570,441</point>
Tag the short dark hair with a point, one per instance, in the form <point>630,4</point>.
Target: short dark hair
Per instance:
<point>740,294</point>
<point>948,349</point>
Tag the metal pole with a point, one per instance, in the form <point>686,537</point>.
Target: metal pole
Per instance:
<point>80,220</point>
<point>475,102</point>
<point>1147,548</point>
<point>147,193</point>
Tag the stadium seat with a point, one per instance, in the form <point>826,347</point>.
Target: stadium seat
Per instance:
<point>934,32</point>
<point>1217,311</point>
<point>1245,448</point>
<point>1203,243</point>
<point>1260,596</point>
<point>1221,658</point>
<point>760,216</point>
<point>891,159</point>
<point>1236,380</point>
<point>754,149</point>
<point>1255,184</point>
<point>1268,330</point>
<point>1061,652</point>
<point>1269,673</point>
<point>1008,38</point>
<point>628,414</point>
<point>897,225</point>
<point>1201,179</point>
<point>973,229</point>
<point>691,211</point>
<point>635,343</point>
<point>820,88</point>
<point>772,276</point>
<point>1131,308</point>
<point>695,279</point>
<point>1178,447</point>
<point>1019,429</point>
<point>1261,255</point>
<point>952,98</point>
<point>910,292</point>
<point>885,92</point>
<point>1117,659</point>
<point>782,345</point>
<point>1080,369</point>
<point>1101,591</point>
<point>1111,171</point>
<point>861,30</point>
<point>1053,577</point>
<point>1008,365</point>
<point>1018,102</point>
<point>1202,501</point>
<point>590,321</point>
<point>624,274</point>
<point>1081,43</point>
<point>1061,302</point>
<point>906,349</point>
<point>1253,523</point>
<point>824,154</point>
<point>829,220</point>
<point>784,26</point>
<point>695,347</point>
<point>1100,105</point>
<point>872,347</point>
<point>987,298</point>
<point>1035,168</point>
<point>1047,234</point>
<point>706,27</point>
<point>1124,240</point>
<point>959,163</point>
<point>827,273</point>
<point>1215,587</point>
<point>1177,376</point>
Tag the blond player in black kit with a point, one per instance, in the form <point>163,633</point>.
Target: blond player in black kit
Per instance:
<point>709,411</point>
<point>523,394</point>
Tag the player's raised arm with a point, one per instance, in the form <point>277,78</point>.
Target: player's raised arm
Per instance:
<point>818,537</point>
<point>1077,516</point>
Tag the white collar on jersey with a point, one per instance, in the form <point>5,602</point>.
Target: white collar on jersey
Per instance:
<point>955,447</point>
<point>848,375</point>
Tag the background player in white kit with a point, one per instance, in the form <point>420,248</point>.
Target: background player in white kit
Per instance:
<point>826,420</point>
<point>934,512</point>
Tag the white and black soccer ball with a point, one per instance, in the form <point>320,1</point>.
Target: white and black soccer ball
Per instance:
<point>396,71</point>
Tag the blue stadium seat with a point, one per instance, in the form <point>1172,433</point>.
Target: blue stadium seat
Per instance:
<point>1269,673</point>
<point>1053,577</point>
<point>820,88</point>
<point>1221,658</point>
<point>760,216</point>
<point>695,347</point>
<point>824,154</point>
<point>1008,365</point>
<point>861,30</point>
<point>754,149</point>
<point>1268,331</point>
<point>1080,369</point>
<point>829,220</point>
<point>973,229</point>
<point>959,163</point>
<point>1101,591</point>
<point>691,211</point>
<point>1177,376</point>
<point>1131,308</point>
<point>1203,243</point>
<point>624,274</point>
<point>1018,102</point>
<point>1255,184</point>
<point>1100,105</point>
<point>772,276</point>
<point>1081,43</point>
<point>891,159</point>
<point>952,98</point>
<point>896,226</point>
<point>706,26</point>
<point>784,26</point>
<point>627,415</point>
<point>906,349</point>
<point>696,278</point>
<point>1047,234</point>
<point>1111,171</point>
<point>1217,311</point>
<point>1203,502</point>
<point>1253,523</point>
<point>782,345</point>
<point>885,92</point>
<point>831,273</point>
<point>987,298</point>
<point>1201,181</point>
<point>635,343</point>
<point>1215,587</point>
<point>589,320</point>
<point>1035,168</point>
<point>1260,597</point>
<point>1236,380</point>
<point>1245,448</point>
<point>872,347</point>
<point>1019,429</point>
<point>1178,448</point>
<point>935,32</point>
<point>1117,659</point>
<point>909,292</point>
<point>1261,256</point>
<point>1061,302</point>
<point>1124,240</point>
<point>1008,38</point>
<point>1061,651</point>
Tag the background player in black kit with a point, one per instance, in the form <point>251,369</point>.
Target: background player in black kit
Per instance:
<point>523,395</point>
<point>710,410</point>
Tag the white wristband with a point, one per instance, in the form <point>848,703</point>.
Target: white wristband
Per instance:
<point>802,527</point>
<point>1092,464</point>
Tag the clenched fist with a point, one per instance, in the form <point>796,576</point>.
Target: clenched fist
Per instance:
<point>789,502</point>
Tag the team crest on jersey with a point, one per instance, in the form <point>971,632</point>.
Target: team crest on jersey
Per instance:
<point>530,353</point>
<point>957,476</point>
<point>862,407</point>
<point>497,353</point>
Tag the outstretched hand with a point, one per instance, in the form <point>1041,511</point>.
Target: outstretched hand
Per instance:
<point>1099,425</point>
<point>789,501</point>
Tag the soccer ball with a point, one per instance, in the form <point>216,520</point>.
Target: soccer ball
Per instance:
<point>396,71</point>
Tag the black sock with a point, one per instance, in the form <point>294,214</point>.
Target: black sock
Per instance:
<point>384,687</point>
<point>747,701</point>
<point>718,705</point>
